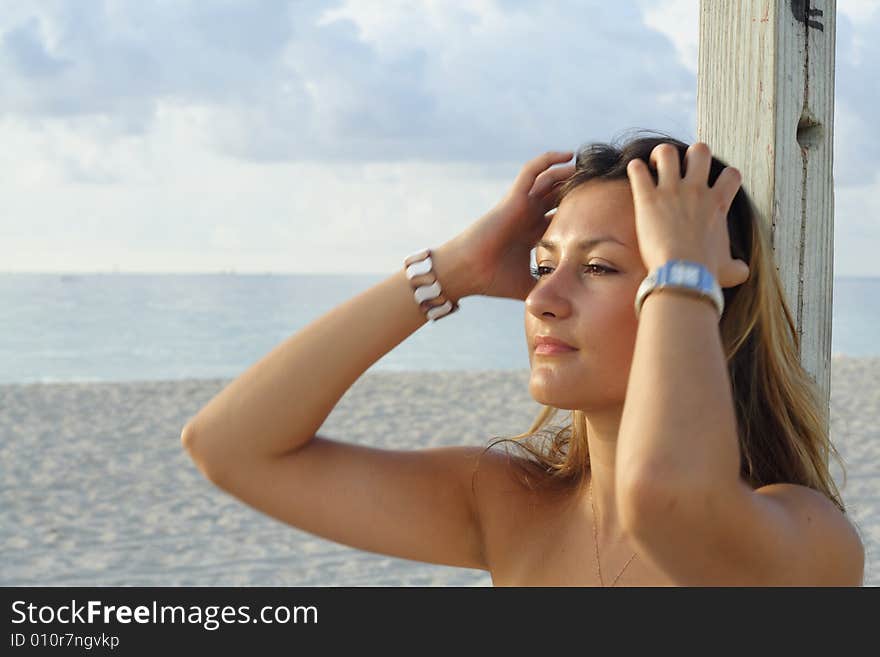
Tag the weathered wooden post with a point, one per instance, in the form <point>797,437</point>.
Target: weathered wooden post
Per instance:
<point>765,104</point>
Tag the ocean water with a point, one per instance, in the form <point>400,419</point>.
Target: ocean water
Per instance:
<point>142,327</point>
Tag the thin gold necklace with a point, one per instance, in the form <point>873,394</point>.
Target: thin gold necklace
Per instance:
<point>596,541</point>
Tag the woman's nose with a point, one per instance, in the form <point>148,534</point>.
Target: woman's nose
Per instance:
<point>549,296</point>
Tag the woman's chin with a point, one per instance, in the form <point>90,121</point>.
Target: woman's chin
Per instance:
<point>546,395</point>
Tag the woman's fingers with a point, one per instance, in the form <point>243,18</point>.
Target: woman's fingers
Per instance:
<point>535,167</point>
<point>665,159</point>
<point>727,186</point>
<point>549,179</point>
<point>697,162</point>
<point>640,180</point>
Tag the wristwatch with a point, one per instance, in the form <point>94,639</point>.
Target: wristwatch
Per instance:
<point>683,276</point>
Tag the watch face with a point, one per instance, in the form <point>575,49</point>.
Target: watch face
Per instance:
<point>684,274</point>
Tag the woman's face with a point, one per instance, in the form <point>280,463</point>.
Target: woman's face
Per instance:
<point>576,301</point>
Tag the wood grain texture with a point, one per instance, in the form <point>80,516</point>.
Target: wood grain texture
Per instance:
<point>765,104</point>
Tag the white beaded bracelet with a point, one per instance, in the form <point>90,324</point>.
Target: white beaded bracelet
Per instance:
<point>428,297</point>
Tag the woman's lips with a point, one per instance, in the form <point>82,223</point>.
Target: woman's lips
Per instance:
<point>547,349</point>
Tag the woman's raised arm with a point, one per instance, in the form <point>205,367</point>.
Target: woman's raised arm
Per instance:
<point>280,402</point>
<point>256,439</point>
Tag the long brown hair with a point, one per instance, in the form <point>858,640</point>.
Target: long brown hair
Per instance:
<point>781,420</point>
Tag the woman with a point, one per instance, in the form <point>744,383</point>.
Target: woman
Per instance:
<point>695,451</point>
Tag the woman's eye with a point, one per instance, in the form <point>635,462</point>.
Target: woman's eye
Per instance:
<point>539,272</point>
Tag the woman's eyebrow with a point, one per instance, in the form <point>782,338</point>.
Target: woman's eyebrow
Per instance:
<point>583,245</point>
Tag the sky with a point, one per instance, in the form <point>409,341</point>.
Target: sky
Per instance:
<point>327,137</point>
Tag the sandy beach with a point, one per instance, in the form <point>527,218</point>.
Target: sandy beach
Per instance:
<point>95,489</point>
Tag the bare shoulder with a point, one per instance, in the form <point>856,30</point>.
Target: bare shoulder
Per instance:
<point>838,548</point>
<point>500,477</point>
<point>510,510</point>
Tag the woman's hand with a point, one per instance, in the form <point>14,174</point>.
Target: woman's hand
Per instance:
<point>684,218</point>
<point>501,241</point>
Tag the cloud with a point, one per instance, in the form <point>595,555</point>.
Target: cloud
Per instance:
<point>857,97</point>
<point>326,136</point>
<point>361,81</point>
<point>857,228</point>
<point>679,20</point>
<point>117,59</point>
<point>27,53</point>
<point>388,80</point>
